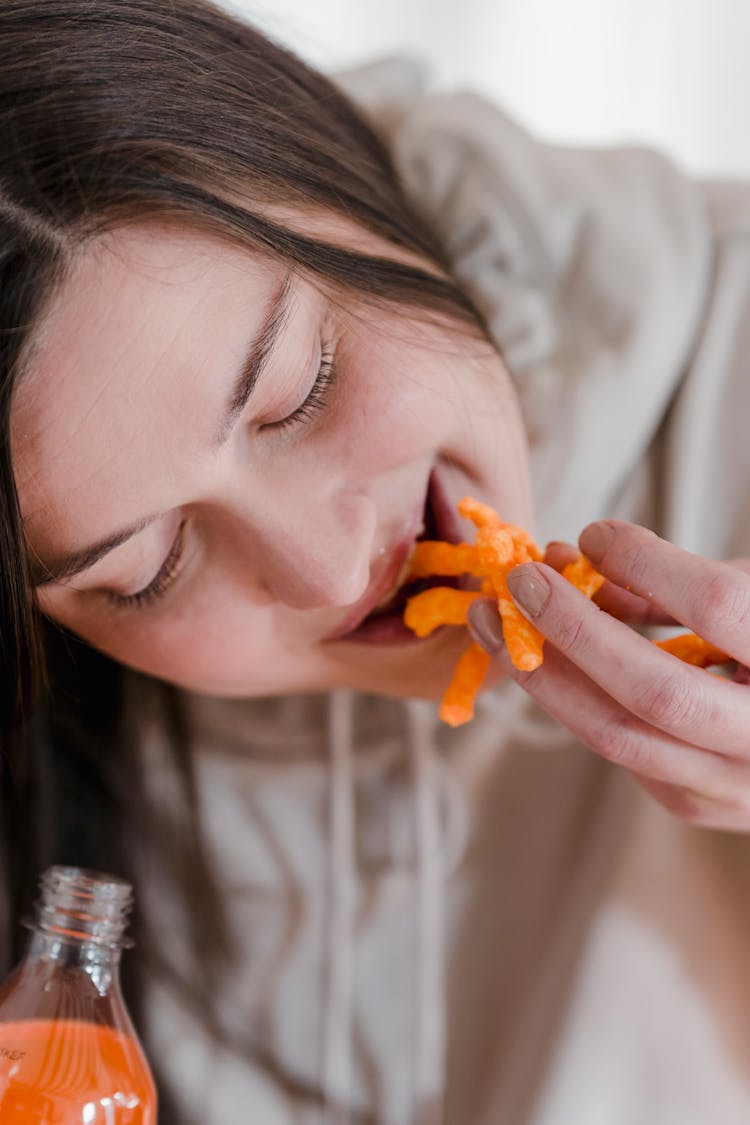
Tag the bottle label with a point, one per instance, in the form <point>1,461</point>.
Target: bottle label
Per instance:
<point>11,1054</point>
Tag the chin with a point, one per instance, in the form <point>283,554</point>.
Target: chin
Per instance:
<point>422,671</point>
<point>429,689</point>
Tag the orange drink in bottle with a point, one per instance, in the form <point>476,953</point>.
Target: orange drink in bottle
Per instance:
<point>69,1054</point>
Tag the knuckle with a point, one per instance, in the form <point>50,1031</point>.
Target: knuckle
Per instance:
<point>528,679</point>
<point>724,602</point>
<point>740,803</point>
<point>698,815</point>
<point>623,743</point>
<point>673,700</point>
<point>733,788</point>
<point>684,804</point>
<point>636,561</point>
<point>570,633</point>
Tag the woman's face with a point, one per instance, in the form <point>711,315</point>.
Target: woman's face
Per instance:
<point>226,467</point>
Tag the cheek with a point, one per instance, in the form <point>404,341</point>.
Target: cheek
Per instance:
<point>216,642</point>
<point>197,652</point>
<point>405,405</point>
<point>394,407</point>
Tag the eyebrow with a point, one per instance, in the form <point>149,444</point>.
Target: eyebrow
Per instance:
<point>259,353</point>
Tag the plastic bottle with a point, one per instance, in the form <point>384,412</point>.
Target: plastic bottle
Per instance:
<point>69,1054</point>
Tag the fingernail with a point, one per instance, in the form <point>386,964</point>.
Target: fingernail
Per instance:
<point>529,588</point>
<point>485,625</point>
<point>595,540</point>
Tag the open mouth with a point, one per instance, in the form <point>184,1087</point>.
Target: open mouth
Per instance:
<point>384,624</point>
<point>396,602</point>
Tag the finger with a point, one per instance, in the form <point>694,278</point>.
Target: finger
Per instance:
<point>631,607</point>
<point>558,554</point>
<point>623,604</point>
<point>686,702</point>
<point>703,808</point>
<point>711,598</point>
<point>627,606</point>
<point>605,726</point>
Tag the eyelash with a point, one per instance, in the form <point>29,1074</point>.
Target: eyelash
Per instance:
<point>160,584</point>
<point>317,396</point>
<point>314,402</point>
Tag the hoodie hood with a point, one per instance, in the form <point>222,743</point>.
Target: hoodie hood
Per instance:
<point>592,269</point>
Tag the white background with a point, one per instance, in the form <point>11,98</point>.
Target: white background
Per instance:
<point>672,73</point>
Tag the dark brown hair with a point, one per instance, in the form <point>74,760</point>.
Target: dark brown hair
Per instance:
<point>114,111</point>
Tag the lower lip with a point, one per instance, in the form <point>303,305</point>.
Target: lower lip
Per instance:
<point>386,630</point>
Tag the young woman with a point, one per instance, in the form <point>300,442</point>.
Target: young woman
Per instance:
<point>257,335</point>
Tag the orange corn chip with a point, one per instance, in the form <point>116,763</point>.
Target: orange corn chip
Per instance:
<point>447,559</point>
<point>523,641</point>
<point>499,553</point>
<point>458,702</point>
<point>441,605</point>
<point>484,516</point>
<point>480,514</point>
<point>498,549</point>
<point>583,576</point>
<point>694,650</point>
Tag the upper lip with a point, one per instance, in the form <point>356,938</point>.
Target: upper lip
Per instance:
<point>387,570</point>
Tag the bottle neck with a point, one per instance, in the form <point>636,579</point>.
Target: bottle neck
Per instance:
<point>79,924</point>
<point>70,949</point>
<point>50,955</point>
<point>84,906</point>
<point>71,970</point>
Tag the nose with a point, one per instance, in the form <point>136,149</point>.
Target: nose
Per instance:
<point>312,555</point>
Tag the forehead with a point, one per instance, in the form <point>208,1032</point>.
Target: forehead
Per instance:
<point>123,372</point>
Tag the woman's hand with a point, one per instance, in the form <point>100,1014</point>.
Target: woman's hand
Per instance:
<point>682,731</point>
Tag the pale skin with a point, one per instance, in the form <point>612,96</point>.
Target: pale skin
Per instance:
<point>283,523</point>
<point>681,731</point>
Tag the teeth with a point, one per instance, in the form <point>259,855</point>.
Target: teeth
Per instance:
<point>400,579</point>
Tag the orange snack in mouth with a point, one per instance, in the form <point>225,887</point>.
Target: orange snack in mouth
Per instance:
<point>441,605</point>
<point>500,547</point>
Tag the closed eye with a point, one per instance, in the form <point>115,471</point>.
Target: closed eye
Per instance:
<point>307,410</point>
<point>158,586</point>
<point>317,396</point>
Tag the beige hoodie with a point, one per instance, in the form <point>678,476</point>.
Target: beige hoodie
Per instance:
<point>491,926</point>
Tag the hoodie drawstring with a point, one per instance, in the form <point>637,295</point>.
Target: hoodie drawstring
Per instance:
<point>430,1064</point>
<point>339,1000</point>
<point>429,1073</point>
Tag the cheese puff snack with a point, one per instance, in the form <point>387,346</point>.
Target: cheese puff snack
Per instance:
<point>499,547</point>
<point>694,650</point>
